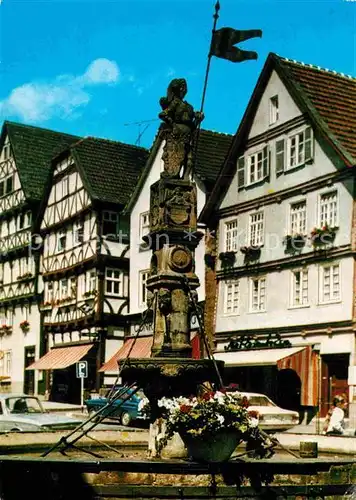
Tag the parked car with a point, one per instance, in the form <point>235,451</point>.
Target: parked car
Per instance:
<point>19,412</point>
<point>125,412</point>
<point>271,417</point>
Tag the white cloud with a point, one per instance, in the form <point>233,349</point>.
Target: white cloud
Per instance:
<point>102,71</point>
<point>63,97</point>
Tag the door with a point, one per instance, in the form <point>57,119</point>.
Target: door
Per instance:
<point>334,379</point>
<point>29,375</point>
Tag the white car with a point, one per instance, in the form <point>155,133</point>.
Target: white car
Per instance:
<point>271,417</point>
<point>22,413</point>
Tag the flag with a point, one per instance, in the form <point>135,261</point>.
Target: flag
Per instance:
<point>224,39</point>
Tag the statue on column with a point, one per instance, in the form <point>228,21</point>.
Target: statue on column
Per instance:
<point>181,121</point>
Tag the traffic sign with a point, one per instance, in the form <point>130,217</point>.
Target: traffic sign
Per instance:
<point>82,369</point>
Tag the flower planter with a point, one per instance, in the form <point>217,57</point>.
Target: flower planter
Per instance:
<point>227,259</point>
<point>251,253</point>
<point>323,236</point>
<point>216,448</point>
<point>294,242</point>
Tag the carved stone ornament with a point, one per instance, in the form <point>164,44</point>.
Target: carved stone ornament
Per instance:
<point>180,259</point>
<point>180,122</point>
<point>165,301</point>
<point>179,205</point>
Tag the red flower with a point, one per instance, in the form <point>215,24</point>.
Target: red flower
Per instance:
<point>207,395</point>
<point>185,408</point>
<point>324,228</point>
<point>253,414</point>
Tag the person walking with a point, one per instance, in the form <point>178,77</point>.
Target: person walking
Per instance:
<point>335,419</point>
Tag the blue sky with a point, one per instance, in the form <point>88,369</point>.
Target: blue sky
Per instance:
<point>90,67</point>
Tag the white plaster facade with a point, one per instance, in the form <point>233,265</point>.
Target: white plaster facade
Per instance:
<point>273,197</point>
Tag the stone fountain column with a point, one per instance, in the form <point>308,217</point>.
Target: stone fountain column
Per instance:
<point>172,283</point>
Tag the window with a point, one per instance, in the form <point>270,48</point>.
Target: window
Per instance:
<point>257,294</point>
<point>7,151</point>
<point>142,287</point>
<point>49,294</point>
<point>7,363</point>
<point>21,221</point>
<point>299,295</point>
<point>110,223</point>
<point>63,288</point>
<point>6,318</point>
<point>298,217</point>
<point>7,185</point>
<point>328,209</point>
<point>62,241</point>
<point>144,224</point>
<point>273,110</point>
<point>256,229</point>
<point>299,148</point>
<point>113,282</point>
<point>231,297</point>
<point>257,166</point>
<point>65,186</point>
<point>231,236</point>
<point>78,233</point>
<point>330,283</point>
<point>91,281</point>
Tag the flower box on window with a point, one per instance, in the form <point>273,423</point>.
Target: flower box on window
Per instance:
<point>251,252</point>
<point>227,258</point>
<point>25,326</point>
<point>294,242</point>
<point>323,235</point>
<point>89,294</point>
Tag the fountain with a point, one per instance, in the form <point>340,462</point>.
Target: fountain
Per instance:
<point>172,284</point>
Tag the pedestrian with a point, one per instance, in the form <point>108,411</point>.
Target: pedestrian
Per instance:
<point>335,419</point>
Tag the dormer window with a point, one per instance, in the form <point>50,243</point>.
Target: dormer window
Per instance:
<point>273,110</point>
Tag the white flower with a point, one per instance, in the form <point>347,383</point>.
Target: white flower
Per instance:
<point>220,419</point>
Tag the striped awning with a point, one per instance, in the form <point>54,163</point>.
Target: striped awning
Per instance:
<point>136,348</point>
<point>303,360</point>
<point>305,364</point>
<point>61,357</point>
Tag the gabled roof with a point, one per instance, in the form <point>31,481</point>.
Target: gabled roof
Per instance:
<point>328,99</point>
<point>33,148</point>
<point>110,170</point>
<point>211,152</point>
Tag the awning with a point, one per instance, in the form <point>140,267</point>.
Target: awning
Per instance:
<point>61,357</point>
<point>141,349</point>
<point>261,357</point>
<point>303,360</point>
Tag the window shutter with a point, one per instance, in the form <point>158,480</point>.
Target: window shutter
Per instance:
<point>280,154</point>
<point>265,162</point>
<point>309,144</point>
<point>241,172</point>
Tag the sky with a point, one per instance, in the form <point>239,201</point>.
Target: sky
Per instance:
<point>98,67</point>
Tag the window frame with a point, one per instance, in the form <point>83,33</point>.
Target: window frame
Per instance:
<point>112,281</point>
<point>76,232</point>
<point>291,213</point>
<point>321,195</point>
<point>231,235</point>
<point>296,135</point>
<point>252,280</point>
<point>293,288</point>
<point>260,165</point>
<point>142,297</point>
<point>273,109</point>
<point>62,236</point>
<point>260,242</point>
<point>322,268</point>
<point>107,219</point>
<point>144,226</point>
<point>235,297</point>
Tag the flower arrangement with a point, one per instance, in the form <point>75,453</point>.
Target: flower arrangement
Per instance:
<point>25,326</point>
<point>323,235</point>
<point>6,329</point>
<point>251,252</point>
<point>206,417</point>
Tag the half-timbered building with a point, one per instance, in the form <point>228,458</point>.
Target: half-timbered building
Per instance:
<point>285,201</point>
<point>85,260</point>
<point>211,151</point>
<point>25,154</point>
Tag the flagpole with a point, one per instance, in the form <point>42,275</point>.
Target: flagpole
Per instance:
<point>216,17</point>
<point>196,140</point>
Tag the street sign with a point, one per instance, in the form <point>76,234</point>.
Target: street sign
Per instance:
<point>82,369</point>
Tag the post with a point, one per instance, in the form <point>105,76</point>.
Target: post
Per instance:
<point>82,393</point>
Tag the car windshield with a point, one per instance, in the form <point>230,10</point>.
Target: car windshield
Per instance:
<point>23,405</point>
<point>260,401</point>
